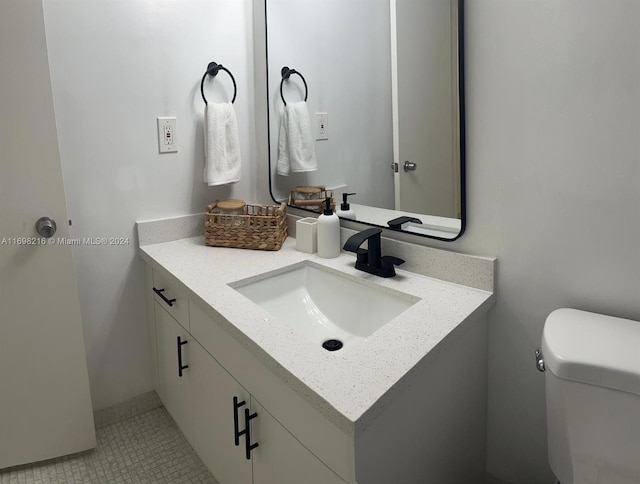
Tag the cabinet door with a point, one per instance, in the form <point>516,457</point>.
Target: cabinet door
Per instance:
<point>214,440</point>
<point>174,353</point>
<point>282,459</point>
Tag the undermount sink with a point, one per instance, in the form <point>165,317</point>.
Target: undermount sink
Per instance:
<point>323,304</point>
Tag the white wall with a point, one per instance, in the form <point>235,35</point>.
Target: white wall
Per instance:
<point>553,160</point>
<point>115,66</point>
<point>553,176</point>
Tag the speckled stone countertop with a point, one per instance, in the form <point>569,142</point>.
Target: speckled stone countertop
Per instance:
<point>349,388</point>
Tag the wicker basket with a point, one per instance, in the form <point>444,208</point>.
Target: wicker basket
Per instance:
<point>311,198</point>
<point>259,227</point>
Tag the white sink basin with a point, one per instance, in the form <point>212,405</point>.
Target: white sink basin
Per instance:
<point>324,304</point>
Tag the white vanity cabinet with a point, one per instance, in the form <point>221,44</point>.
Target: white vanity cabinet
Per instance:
<point>237,438</point>
<point>409,409</point>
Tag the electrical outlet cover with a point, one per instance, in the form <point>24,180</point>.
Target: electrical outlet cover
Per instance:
<point>322,126</point>
<point>167,135</point>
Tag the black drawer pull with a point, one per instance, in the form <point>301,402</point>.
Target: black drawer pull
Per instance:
<point>163,297</point>
<point>248,416</point>
<point>236,425</point>
<point>180,365</point>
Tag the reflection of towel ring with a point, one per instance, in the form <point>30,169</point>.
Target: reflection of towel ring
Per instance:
<point>286,72</point>
<point>212,70</point>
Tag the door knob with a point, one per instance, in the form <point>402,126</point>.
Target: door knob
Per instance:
<point>408,166</point>
<point>46,227</point>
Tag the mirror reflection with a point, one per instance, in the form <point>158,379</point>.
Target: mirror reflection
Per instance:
<point>365,98</point>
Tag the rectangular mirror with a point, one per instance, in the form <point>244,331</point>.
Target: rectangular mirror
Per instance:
<point>382,80</point>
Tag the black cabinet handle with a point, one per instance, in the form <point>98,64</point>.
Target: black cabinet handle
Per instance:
<point>163,297</point>
<point>180,365</point>
<point>236,426</point>
<point>248,416</point>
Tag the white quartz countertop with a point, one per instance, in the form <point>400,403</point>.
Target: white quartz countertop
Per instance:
<point>349,388</point>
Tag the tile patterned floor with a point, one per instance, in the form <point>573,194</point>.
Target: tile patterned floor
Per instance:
<point>147,449</point>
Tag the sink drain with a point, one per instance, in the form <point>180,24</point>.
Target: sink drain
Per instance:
<point>332,344</point>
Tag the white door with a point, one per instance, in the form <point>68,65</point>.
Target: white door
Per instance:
<point>425,106</point>
<point>45,404</point>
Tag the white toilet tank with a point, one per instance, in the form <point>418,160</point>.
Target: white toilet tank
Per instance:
<point>592,377</point>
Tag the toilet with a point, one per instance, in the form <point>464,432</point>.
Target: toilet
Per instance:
<point>592,379</point>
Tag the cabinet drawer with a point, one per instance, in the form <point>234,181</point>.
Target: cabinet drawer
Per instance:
<point>326,441</point>
<point>172,298</point>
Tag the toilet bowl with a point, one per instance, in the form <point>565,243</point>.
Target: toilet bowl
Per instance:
<point>592,380</point>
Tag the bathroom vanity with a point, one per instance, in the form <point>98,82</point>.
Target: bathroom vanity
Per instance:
<point>262,402</point>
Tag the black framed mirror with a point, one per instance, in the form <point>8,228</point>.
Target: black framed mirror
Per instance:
<point>384,112</point>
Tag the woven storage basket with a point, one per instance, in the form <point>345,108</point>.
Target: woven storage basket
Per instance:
<point>311,198</point>
<point>259,227</point>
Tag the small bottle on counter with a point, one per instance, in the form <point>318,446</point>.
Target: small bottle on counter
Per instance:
<point>345,210</point>
<point>328,233</point>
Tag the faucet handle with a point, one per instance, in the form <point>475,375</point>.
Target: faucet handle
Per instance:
<point>390,261</point>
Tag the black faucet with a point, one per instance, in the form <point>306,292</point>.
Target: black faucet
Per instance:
<point>396,223</point>
<point>371,260</point>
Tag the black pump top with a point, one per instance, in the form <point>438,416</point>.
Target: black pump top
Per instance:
<point>327,207</point>
<point>345,203</point>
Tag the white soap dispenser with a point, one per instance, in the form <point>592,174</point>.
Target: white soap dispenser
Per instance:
<point>328,233</point>
<point>345,210</point>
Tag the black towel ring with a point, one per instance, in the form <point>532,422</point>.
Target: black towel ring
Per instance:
<point>286,73</point>
<point>212,70</point>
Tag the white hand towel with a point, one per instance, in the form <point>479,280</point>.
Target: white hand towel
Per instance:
<point>221,145</point>
<point>296,148</point>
